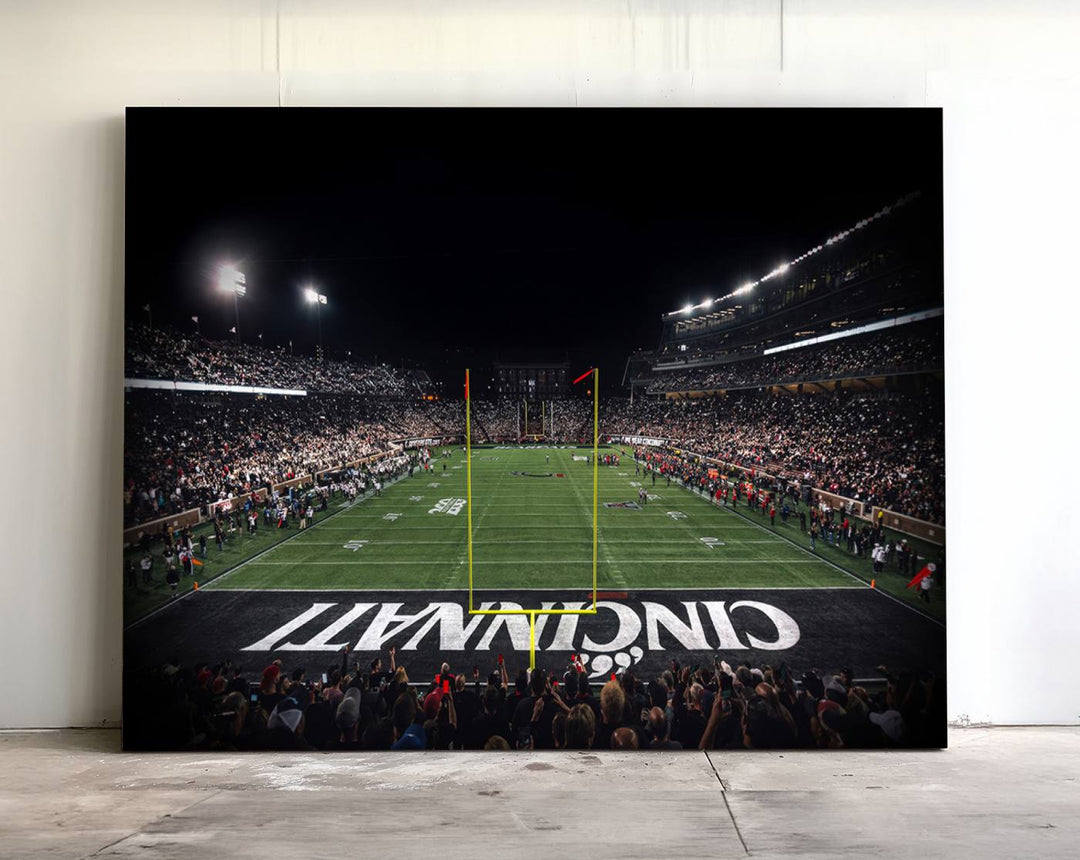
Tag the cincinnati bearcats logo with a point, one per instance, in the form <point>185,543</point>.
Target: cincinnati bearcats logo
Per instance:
<point>533,474</point>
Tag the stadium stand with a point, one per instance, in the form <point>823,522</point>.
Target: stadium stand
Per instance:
<point>913,349</point>
<point>184,451</point>
<point>162,353</point>
<point>860,415</point>
<point>220,707</point>
<point>882,448</point>
<point>884,271</point>
<point>832,372</point>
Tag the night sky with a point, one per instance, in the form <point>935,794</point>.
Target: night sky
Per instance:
<point>446,237</point>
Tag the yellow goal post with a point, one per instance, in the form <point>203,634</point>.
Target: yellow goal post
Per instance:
<point>532,613</point>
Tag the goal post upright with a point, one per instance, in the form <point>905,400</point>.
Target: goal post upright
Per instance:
<point>596,477</point>
<point>468,478</point>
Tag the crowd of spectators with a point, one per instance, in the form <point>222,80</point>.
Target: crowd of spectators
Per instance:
<point>884,449</point>
<point>572,419</point>
<point>183,451</point>
<point>349,706</point>
<point>162,353</point>
<point>911,349</point>
<point>494,420</point>
<point>188,450</point>
<point>558,421</point>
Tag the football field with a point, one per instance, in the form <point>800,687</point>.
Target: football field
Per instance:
<point>677,578</point>
<point>533,528</point>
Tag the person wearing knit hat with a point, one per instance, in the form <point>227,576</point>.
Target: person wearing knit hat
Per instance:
<point>432,703</point>
<point>270,673</point>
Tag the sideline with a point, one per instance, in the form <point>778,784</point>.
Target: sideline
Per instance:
<point>803,549</point>
<point>247,561</point>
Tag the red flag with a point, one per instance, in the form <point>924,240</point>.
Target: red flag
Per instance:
<point>921,575</point>
<point>195,561</point>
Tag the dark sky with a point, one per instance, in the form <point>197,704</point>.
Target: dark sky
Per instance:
<point>442,237</point>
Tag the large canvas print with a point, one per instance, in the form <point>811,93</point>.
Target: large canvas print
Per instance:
<point>520,429</point>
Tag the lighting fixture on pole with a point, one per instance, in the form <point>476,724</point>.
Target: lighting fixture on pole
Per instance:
<point>314,297</point>
<point>232,281</point>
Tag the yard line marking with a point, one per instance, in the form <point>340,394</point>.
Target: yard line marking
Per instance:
<point>453,542</point>
<point>569,588</point>
<point>718,562</point>
<point>518,528</point>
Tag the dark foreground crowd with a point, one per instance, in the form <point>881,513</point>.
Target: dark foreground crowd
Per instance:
<point>373,707</point>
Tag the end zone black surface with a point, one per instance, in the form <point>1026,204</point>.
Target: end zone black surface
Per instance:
<point>644,631</point>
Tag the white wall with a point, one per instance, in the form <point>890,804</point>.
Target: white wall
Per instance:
<point>1006,77</point>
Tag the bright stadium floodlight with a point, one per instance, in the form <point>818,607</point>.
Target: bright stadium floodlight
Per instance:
<point>832,240</point>
<point>314,297</point>
<point>232,281</point>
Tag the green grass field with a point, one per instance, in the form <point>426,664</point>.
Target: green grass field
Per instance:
<point>530,532</point>
<point>537,532</point>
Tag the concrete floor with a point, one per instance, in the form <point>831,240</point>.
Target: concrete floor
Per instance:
<point>1003,792</point>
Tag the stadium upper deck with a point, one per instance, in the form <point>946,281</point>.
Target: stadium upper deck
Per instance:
<point>161,353</point>
<point>881,273</point>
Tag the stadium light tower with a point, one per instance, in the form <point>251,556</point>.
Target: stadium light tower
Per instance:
<point>314,297</point>
<point>232,281</point>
